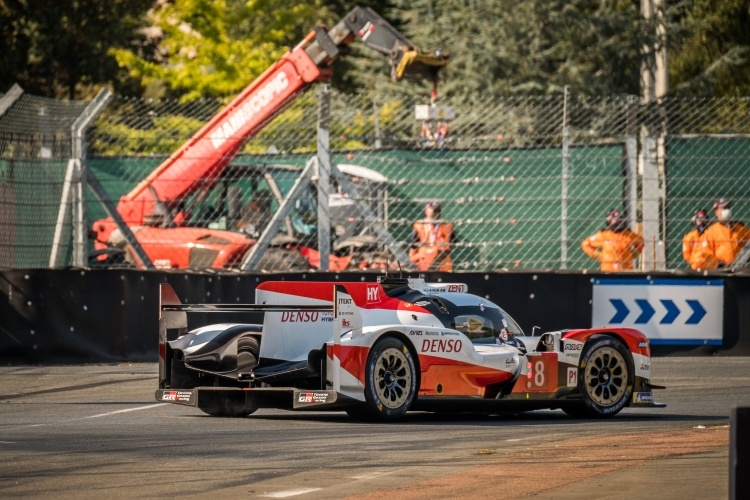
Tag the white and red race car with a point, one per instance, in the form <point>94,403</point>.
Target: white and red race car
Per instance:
<point>378,350</point>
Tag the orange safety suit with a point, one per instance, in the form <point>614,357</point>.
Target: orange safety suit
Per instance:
<point>697,251</point>
<point>727,240</point>
<point>433,249</point>
<point>615,250</point>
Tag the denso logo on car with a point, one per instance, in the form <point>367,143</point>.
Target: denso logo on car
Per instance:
<point>441,345</point>
<point>299,317</point>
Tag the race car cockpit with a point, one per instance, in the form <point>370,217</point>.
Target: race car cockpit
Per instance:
<point>482,323</point>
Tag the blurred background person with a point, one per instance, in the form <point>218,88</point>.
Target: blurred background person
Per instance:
<point>431,241</point>
<point>696,249</point>
<point>615,246</point>
<point>726,237</point>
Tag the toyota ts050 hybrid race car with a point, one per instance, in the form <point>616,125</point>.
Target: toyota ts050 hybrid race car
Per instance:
<point>378,350</point>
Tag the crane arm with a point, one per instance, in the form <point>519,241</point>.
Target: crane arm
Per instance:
<point>199,162</point>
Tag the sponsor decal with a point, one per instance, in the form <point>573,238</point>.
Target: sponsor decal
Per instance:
<point>642,344</point>
<point>299,317</point>
<point>239,118</point>
<point>572,377</point>
<point>645,366</point>
<point>415,332</point>
<point>345,323</point>
<point>177,396</point>
<point>431,332</point>
<point>373,293</point>
<point>573,347</point>
<point>421,303</point>
<point>312,397</point>
<point>440,345</point>
<point>346,302</point>
<point>456,288</point>
<point>643,397</point>
<point>510,361</point>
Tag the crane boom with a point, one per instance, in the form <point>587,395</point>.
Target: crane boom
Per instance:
<point>202,158</point>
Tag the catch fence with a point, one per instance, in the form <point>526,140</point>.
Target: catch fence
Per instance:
<point>524,180</point>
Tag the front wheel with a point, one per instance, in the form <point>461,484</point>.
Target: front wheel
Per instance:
<point>605,378</point>
<point>390,380</point>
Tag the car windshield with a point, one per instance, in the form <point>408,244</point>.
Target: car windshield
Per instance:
<point>485,320</point>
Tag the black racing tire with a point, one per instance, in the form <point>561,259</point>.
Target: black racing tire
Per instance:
<point>390,380</point>
<point>248,349</point>
<point>605,378</point>
<point>228,410</point>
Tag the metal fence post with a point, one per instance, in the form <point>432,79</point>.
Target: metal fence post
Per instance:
<point>376,118</point>
<point>564,183</point>
<point>78,129</point>
<point>10,97</point>
<point>253,257</point>
<point>631,162</point>
<point>324,171</point>
<point>650,201</point>
<point>74,185</point>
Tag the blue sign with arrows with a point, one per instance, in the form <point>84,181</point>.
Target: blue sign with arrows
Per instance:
<point>668,311</point>
<point>696,310</point>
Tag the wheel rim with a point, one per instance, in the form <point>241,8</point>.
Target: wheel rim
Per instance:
<point>392,378</point>
<point>606,376</point>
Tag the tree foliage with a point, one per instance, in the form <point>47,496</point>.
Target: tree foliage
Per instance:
<point>204,48</point>
<point>59,48</point>
<point>714,57</point>
<point>209,48</point>
<point>503,47</point>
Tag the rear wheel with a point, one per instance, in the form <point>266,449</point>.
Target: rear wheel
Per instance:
<point>390,380</point>
<point>605,378</point>
<point>247,353</point>
<point>228,409</point>
<point>248,348</point>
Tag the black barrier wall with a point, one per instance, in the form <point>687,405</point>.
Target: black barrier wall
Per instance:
<point>85,316</point>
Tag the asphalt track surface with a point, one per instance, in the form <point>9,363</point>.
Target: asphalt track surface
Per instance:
<point>95,431</point>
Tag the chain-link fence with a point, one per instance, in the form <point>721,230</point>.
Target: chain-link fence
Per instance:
<point>523,180</point>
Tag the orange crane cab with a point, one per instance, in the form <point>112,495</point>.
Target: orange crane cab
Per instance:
<point>154,209</point>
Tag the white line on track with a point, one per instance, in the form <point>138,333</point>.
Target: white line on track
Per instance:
<point>372,475</point>
<point>147,407</point>
<point>289,493</point>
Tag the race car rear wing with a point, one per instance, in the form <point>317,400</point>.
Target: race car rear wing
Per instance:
<point>173,317</point>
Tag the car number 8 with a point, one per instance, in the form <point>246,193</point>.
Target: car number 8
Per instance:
<point>539,373</point>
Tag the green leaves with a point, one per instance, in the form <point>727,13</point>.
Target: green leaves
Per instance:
<point>208,48</point>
